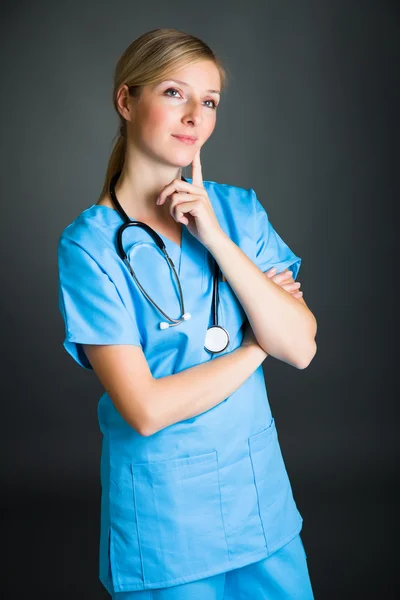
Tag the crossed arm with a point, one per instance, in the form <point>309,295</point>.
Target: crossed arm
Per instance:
<point>149,404</point>
<point>283,325</point>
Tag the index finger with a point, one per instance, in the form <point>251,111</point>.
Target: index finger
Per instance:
<point>197,176</point>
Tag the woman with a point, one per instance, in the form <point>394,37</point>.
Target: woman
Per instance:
<point>196,500</point>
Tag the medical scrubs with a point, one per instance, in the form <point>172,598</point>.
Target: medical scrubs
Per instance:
<point>208,494</point>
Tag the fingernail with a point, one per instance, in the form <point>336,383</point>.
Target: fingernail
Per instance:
<point>272,270</point>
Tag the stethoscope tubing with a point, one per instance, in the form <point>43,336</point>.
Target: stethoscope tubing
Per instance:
<point>160,243</point>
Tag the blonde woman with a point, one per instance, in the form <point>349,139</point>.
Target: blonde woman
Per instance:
<point>174,291</point>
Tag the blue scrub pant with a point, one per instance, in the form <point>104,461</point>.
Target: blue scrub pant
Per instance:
<point>282,576</point>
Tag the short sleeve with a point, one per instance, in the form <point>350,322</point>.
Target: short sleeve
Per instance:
<point>271,250</point>
<point>92,310</point>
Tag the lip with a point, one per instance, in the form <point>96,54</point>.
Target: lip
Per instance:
<point>186,139</point>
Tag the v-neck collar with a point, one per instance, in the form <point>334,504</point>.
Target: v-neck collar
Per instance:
<point>112,217</point>
<point>115,213</point>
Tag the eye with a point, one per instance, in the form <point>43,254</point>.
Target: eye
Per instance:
<point>214,106</point>
<point>171,90</point>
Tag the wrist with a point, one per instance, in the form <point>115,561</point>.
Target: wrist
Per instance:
<point>219,240</point>
<point>254,352</point>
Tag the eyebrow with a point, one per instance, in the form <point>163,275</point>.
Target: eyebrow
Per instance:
<point>187,85</point>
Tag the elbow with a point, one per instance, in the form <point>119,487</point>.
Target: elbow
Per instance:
<point>142,421</point>
<point>307,357</point>
<point>150,423</point>
<point>143,430</point>
<point>141,426</point>
<point>149,429</point>
<point>146,427</point>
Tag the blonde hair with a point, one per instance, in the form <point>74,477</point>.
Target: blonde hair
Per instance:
<point>151,58</point>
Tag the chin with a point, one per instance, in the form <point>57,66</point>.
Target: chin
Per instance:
<point>181,162</point>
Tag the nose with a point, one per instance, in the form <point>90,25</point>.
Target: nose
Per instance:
<point>194,113</point>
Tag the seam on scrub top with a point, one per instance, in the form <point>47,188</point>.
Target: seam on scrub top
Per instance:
<point>65,316</point>
<point>258,497</point>
<point>204,457</point>
<point>220,507</point>
<point>289,537</point>
<point>111,545</point>
<point>137,524</point>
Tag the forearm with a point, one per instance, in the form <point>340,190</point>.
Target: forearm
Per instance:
<point>195,390</point>
<point>284,327</point>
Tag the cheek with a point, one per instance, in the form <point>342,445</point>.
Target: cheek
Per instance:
<point>157,117</point>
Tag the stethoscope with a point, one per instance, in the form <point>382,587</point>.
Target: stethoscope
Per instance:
<point>217,338</point>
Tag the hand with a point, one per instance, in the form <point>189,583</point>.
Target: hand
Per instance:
<point>191,205</point>
<point>285,280</point>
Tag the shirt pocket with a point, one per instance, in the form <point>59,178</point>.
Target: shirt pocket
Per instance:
<point>279,514</point>
<point>179,518</point>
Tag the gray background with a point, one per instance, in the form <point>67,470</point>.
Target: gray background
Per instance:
<point>309,120</point>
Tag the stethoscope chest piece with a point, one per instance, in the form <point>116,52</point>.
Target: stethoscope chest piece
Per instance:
<point>217,339</point>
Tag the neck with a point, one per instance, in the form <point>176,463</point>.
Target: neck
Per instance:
<point>139,185</point>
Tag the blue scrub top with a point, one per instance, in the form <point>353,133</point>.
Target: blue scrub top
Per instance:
<point>207,494</point>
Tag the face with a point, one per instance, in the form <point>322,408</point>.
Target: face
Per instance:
<point>168,108</point>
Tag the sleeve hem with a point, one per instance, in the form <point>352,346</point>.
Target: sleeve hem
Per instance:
<point>76,351</point>
<point>295,262</point>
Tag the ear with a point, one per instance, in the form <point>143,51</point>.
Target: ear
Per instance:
<point>126,103</point>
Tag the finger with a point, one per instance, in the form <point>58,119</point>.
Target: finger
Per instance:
<point>197,176</point>
<point>177,199</point>
<point>178,185</point>
<point>271,272</point>
<point>291,287</point>
<point>284,276</point>
<point>179,208</point>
